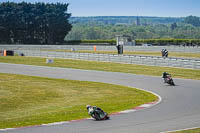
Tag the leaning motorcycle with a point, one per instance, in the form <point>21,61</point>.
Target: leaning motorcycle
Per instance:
<point>98,114</point>
<point>169,80</point>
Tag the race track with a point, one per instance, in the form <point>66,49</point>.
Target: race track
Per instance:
<point>180,106</point>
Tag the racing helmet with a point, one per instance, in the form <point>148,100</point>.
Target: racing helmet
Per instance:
<point>88,106</point>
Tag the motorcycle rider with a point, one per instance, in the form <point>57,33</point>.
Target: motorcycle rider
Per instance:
<point>164,53</point>
<point>92,109</point>
<point>165,76</point>
<point>168,79</point>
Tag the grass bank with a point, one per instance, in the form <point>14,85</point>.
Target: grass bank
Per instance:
<point>28,100</point>
<point>189,131</point>
<point>105,66</point>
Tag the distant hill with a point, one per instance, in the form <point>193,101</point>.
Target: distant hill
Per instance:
<point>144,20</point>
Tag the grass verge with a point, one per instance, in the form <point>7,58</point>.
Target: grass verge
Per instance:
<point>105,66</point>
<point>189,131</point>
<point>29,100</point>
<point>147,53</point>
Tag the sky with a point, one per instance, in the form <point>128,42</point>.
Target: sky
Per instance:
<point>159,8</point>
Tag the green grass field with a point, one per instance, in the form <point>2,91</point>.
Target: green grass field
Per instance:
<point>28,100</point>
<point>189,131</point>
<point>105,66</point>
<point>148,53</point>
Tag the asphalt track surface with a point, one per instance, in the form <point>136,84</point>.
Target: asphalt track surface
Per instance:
<point>180,106</point>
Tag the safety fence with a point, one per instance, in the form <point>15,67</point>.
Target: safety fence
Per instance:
<point>191,49</point>
<point>129,59</point>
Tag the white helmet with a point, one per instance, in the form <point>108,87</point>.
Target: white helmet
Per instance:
<point>88,106</point>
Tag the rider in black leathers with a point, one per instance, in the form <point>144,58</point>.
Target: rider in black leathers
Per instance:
<point>164,76</point>
<point>168,79</point>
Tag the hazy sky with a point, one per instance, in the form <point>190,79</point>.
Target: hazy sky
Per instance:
<point>162,8</point>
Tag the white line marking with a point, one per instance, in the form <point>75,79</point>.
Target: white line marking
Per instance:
<point>127,111</point>
<point>145,105</point>
<point>56,123</point>
<point>6,129</point>
<point>180,130</point>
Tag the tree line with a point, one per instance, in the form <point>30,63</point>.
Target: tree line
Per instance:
<point>180,28</point>
<point>33,23</point>
<point>144,20</point>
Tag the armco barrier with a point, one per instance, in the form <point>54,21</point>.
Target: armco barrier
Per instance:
<point>105,48</point>
<point>129,59</point>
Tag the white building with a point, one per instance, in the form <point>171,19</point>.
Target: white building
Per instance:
<point>125,40</point>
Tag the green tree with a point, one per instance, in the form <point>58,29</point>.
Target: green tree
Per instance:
<point>173,26</point>
<point>193,20</point>
<point>34,23</point>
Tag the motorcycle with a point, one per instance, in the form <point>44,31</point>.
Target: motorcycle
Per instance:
<point>169,80</point>
<point>97,113</point>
